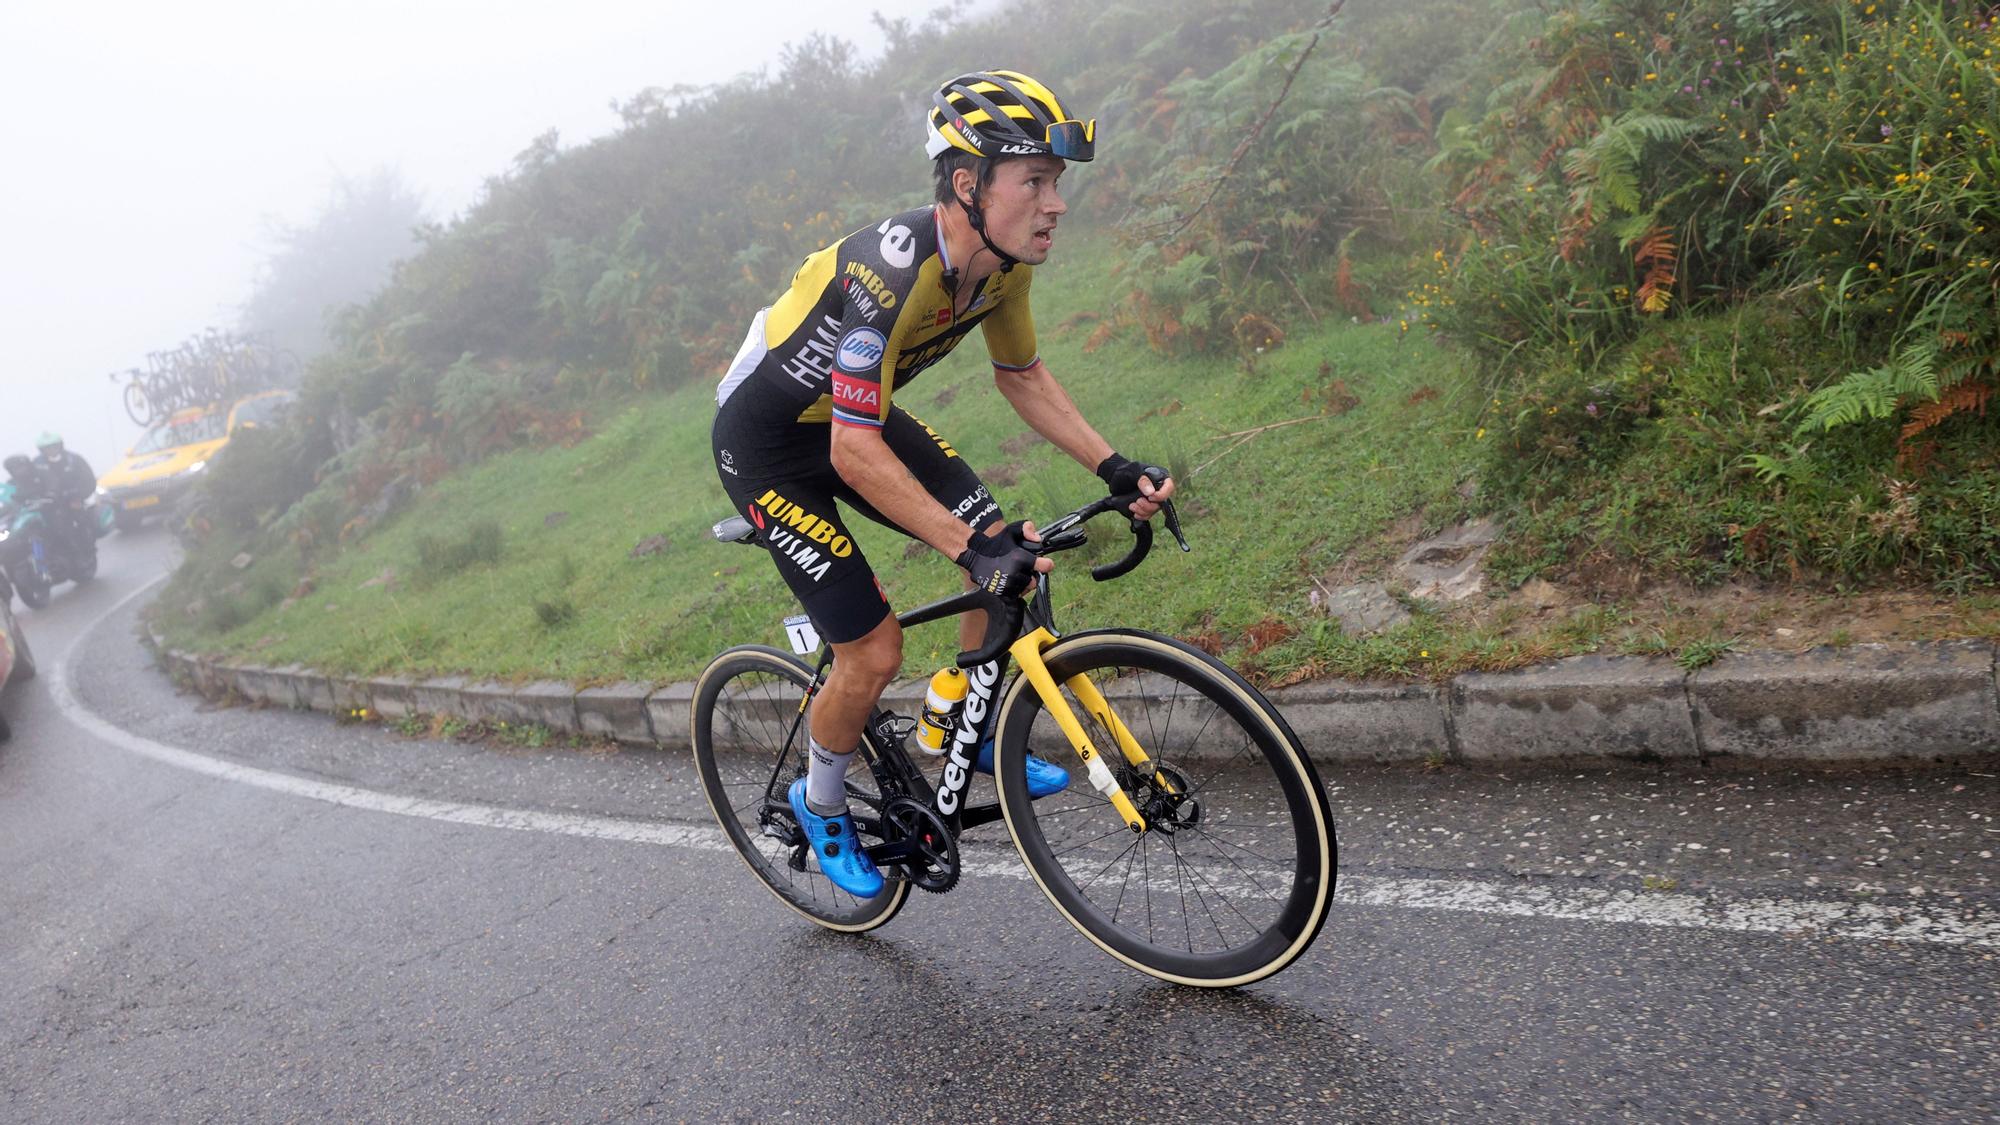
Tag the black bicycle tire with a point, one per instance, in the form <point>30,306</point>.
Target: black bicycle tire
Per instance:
<point>821,904</point>
<point>1308,903</point>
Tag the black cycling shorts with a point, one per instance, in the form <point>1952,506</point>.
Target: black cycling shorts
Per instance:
<point>782,478</point>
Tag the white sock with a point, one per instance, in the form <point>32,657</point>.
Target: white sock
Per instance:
<point>826,780</point>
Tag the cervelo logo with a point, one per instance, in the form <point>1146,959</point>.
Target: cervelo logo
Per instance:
<point>958,768</point>
<point>899,245</point>
<point>861,349</point>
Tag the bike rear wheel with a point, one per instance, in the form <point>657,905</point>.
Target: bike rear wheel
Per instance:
<point>749,746</point>
<point>1235,875</point>
<point>138,407</point>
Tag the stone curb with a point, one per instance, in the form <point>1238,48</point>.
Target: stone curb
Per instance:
<point>615,711</point>
<point>1877,702</point>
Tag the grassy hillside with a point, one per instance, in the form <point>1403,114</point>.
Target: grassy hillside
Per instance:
<point>1699,295</point>
<point>1387,434</point>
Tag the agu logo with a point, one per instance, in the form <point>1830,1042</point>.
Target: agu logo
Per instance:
<point>860,349</point>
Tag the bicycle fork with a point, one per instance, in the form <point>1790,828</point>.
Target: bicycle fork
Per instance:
<point>1027,652</point>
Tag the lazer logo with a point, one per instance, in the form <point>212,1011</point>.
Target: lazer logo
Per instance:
<point>971,725</point>
<point>1020,150</point>
<point>800,535</point>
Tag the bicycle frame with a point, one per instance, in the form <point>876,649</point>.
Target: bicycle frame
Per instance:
<point>1026,630</point>
<point>886,754</point>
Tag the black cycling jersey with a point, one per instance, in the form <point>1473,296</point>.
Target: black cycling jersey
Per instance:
<point>861,319</point>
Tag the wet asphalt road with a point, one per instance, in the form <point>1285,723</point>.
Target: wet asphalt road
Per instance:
<point>175,946</point>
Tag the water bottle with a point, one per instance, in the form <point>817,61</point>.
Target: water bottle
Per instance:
<point>941,705</point>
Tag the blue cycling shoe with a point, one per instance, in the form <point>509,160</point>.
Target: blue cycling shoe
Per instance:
<point>1044,777</point>
<point>835,848</point>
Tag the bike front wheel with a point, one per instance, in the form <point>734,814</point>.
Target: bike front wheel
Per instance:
<point>749,746</point>
<point>1234,875</point>
<point>138,407</point>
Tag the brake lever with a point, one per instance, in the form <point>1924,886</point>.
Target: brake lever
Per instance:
<point>1174,524</point>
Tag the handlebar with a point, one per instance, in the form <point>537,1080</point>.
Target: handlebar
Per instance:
<point>1003,615</point>
<point>1003,624</point>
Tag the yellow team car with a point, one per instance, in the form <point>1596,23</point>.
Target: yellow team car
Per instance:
<point>173,454</point>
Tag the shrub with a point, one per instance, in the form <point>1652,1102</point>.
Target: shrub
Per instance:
<point>1616,175</point>
<point>439,557</point>
<point>263,471</point>
<point>1889,207</point>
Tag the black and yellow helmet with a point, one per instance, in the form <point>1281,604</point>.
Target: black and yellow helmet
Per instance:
<point>1005,113</point>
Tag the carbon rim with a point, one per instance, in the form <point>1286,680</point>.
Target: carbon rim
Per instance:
<point>1235,879</point>
<point>744,710</point>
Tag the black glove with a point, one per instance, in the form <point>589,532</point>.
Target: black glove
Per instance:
<point>1121,475</point>
<point>999,564</point>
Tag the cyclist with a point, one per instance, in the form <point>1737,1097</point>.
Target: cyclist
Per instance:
<point>69,481</point>
<point>804,415</point>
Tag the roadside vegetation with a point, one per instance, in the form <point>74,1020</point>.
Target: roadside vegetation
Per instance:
<point>1692,296</point>
<point>594,562</point>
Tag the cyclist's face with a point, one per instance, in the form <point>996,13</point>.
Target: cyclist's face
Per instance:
<point>1022,206</point>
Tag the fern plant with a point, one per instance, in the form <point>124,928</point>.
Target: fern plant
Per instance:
<point>1890,205</point>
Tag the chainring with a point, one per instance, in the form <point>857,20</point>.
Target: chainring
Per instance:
<point>934,866</point>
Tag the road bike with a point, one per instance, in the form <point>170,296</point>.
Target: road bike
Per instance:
<point>1195,842</point>
<point>212,367</point>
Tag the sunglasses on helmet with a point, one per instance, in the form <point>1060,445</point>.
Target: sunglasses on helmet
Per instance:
<point>1073,140</point>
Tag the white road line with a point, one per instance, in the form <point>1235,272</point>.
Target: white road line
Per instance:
<point>1866,921</point>
<point>1970,926</point>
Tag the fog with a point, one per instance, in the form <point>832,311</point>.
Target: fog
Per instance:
<point>152,149</point>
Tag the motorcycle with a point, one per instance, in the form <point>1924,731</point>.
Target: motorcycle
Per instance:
<point>34,558</point>
<point>17,663</point>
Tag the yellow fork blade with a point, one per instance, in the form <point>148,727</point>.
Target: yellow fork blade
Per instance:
<point>1099,707</point>
<point>1028,653</point>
